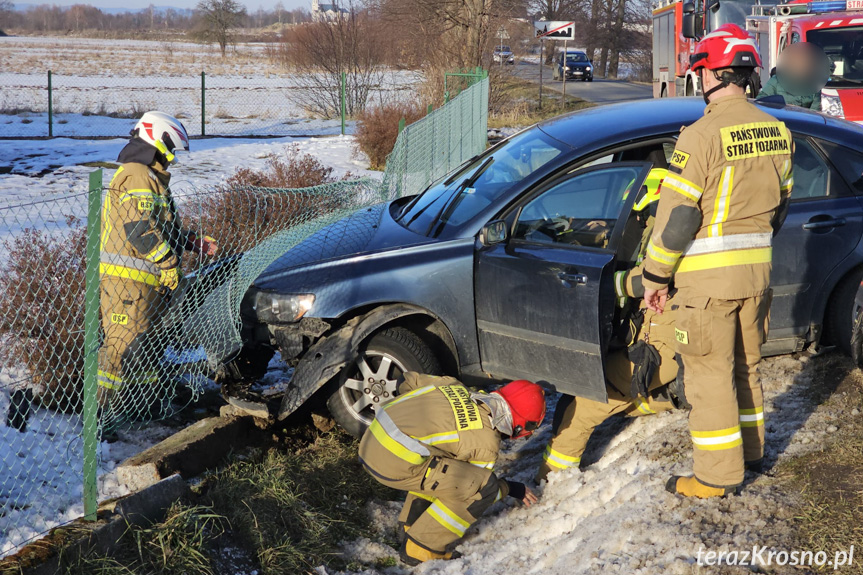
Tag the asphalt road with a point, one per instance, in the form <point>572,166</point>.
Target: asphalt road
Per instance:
<point>599,91</point>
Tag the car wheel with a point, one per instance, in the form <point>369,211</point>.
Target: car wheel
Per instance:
<point>370,381</point>
<point>839,317</point>
<point>590,79</point>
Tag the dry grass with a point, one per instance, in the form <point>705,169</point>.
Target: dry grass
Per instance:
<point>514,102</point>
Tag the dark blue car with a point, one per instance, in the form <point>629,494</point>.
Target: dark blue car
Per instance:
<point>472,277</point>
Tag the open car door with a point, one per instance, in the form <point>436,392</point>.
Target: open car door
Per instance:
<point>544,293</point>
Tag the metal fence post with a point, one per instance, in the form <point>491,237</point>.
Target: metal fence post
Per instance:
<point>50,107</point>
<point>343,99</point>
<point>402,123</point>
<point>91,348</point>
<point>203,103</point>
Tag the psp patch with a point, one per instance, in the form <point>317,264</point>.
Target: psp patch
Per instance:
<point>755,140</point>
<point>681,336</point>
<point>119,318</point>
<point>466,412</point>
<point>146,205</point>
<point>679,159</point>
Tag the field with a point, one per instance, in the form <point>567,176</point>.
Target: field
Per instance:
<point>100,85</point>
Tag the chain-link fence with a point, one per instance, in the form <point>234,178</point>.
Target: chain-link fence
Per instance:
<point>94,337</point>
<point>52,105</point>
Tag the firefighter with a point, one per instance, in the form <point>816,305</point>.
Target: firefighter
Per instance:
<point>724,198</point>
<point>141,247</point>
<point>439,441</point>
<point>639,374</point>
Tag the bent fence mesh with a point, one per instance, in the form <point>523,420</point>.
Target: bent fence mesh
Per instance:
<point>91,345</point>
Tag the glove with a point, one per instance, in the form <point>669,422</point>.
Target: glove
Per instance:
<point>645,361</point>
<point>202,245</point>
<point>170,278</point>
<point>516,490</point>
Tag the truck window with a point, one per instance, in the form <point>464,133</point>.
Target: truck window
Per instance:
<point>844,47</point>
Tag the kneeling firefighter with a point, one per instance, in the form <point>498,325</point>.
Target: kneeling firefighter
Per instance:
<point>142,243</point>
<point>641,376</point>
<point>439,441</point>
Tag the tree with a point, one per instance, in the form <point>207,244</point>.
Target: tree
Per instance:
<point>220,18</point>
<point>6,7</point>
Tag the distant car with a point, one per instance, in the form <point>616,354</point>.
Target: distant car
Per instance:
<point>499,270</point>
<point>575,65</point>
<point>503,53</point>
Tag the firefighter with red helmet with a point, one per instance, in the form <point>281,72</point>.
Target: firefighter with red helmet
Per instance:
<point>724,198</point>
<point>439,442</point>
<point>142,243</point>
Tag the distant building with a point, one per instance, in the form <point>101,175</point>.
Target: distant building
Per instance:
<point>328,12</point>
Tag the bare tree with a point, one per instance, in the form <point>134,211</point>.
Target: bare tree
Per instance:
<point>352,43</point>
<point>6,7</point>
<point>220,18</point>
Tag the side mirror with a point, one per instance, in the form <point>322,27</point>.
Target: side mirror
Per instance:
<point>688,24</point>
<point>689,8</point>
<point>493,233</point>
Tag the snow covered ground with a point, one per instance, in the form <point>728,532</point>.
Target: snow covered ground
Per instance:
<point>40,470</point>
<point>615,516</point>
<point>94,81</point>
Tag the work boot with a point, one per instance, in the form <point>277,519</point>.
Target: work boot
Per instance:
<point>413,554</point>
<point>691,487</point>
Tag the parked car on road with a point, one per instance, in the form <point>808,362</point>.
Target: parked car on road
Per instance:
<point>474,278</point>
<point>503,53</point>
<point>574,65</point>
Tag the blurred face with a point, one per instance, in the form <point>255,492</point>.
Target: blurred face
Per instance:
<point>803,69</point>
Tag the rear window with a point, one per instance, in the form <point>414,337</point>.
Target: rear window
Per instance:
<point>848,162</point>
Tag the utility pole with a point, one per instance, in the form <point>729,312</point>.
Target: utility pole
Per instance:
<point>563,100</point>
<point>541,45</point>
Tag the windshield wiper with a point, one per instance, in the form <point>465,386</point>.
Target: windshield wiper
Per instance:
<point>467,183</point>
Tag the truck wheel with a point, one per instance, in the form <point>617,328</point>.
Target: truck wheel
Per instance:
<point>370,381</point>
<point>839,317</point>
<point>664,92</point>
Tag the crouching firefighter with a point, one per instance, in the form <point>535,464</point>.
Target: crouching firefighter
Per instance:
<point>439,441</point>
<point>142,244</point>
<point>641,375</point>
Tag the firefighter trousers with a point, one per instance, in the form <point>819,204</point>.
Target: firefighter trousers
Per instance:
<point>130,353</point>
<point>720,344</point>
<point>446,496</point>
<point>576,418</point>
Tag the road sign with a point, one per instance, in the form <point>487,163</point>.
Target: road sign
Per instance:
<point>555,30</point>
<point>504,35</point>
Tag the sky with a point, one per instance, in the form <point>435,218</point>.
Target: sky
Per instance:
<point>251,5</point>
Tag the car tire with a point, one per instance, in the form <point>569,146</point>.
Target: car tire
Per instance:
<point>590,79</point>
<point>353,408</point>
<point>839,317</point>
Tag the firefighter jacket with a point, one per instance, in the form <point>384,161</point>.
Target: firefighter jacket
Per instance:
<point>728,186</point>
<point>432,417</point>
<point>141,232</point>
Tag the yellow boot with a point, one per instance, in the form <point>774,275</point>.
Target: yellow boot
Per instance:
<point>691,487</point>
<point>413,554</point>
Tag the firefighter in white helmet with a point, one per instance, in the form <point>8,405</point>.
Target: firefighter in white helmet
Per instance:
<point>142,243</point>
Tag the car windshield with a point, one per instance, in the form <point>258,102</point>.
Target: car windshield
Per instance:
<point>576,58</point>
<point>481,182</point>
<point>844,47</point>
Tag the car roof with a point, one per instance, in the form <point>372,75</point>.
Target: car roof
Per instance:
<point>594,128</point>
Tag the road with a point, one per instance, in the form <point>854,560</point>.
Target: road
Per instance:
<point>599,91</point>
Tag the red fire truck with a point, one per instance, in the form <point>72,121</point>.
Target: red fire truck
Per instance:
<point>835,25</point>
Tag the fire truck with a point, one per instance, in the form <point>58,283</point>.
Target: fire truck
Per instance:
<point>835,26</point>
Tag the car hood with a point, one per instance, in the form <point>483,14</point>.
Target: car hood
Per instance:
<point>366,231</point>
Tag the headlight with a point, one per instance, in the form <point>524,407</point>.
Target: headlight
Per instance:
<point>282,308</point>
<point>566,68</point>
<point>831,104</point>
<point>588,68</point>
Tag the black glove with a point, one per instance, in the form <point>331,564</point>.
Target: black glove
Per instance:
<point>646,360</point>
<point>516,489</point>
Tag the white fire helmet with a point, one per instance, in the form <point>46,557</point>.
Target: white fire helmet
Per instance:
<point>165,132</point>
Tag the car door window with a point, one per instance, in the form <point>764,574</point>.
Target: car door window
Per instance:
<point>580,210</point>
<point>847,162</point>
<point>811,173</point>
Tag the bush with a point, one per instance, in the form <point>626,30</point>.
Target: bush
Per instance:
<point>42,311</point>
<point>240,214</point>
<point>378,128</point>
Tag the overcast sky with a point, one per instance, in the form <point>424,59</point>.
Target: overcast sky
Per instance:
<point>251,5</point>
